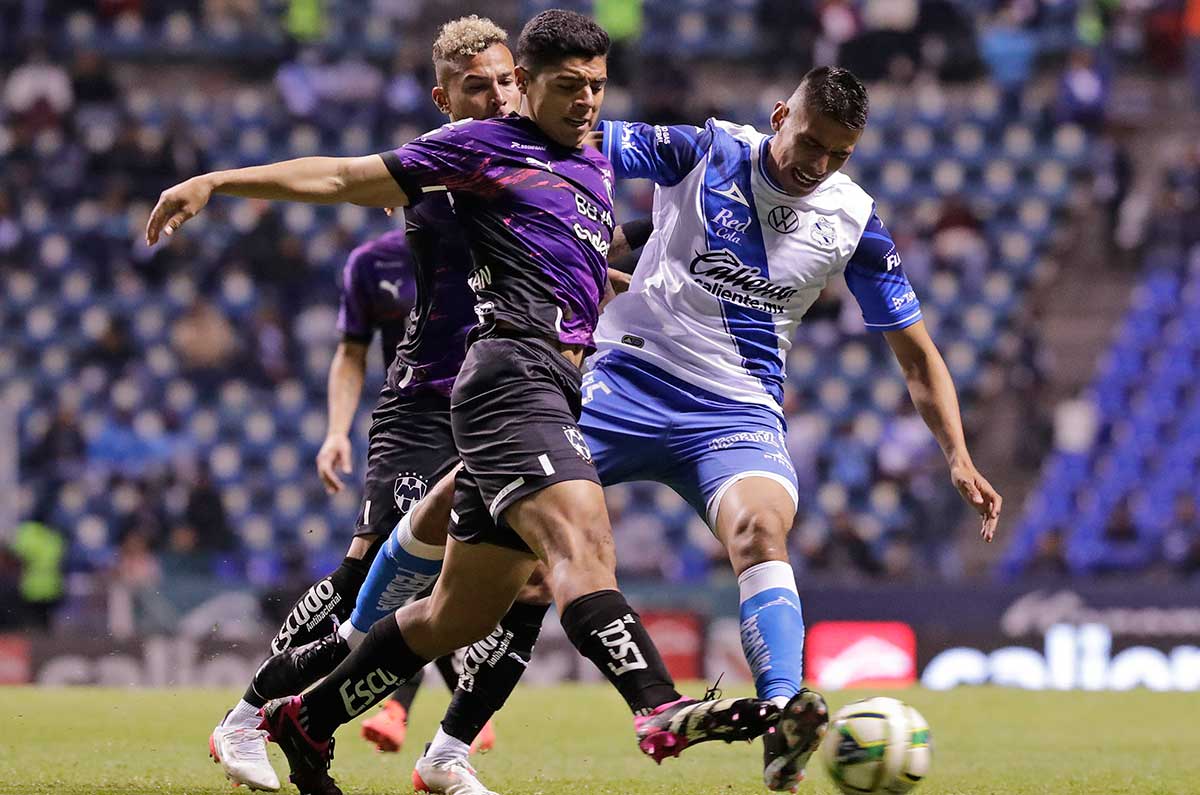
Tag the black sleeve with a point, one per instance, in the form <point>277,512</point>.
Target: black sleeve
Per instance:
<point>637,232</point>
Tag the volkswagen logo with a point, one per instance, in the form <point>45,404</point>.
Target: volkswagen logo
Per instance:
<point>783,220</point>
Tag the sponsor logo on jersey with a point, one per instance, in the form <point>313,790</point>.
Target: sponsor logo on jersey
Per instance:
<point>313,608</point>
<point>575,437</point>
<point>900,300</point>
<point>357,696</point>
<point>534,147</point>
<point>732,192</point>
<point>392,288</point>
<point>480,278</point>
<point>662,135</point>
<point>533,161</point>
<point>728,226</point>
<point>724,275</point>
<point>596,240</point>
<point>408,491</point>
<point>630,339</point>
<point>892,260</point>
<point>783,219</point>
<point>824,233</point>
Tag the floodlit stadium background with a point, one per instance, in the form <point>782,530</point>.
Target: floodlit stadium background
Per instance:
<point>1036,161</point>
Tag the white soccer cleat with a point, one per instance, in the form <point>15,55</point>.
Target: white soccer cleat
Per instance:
<point>242,754</point>
<point>447,778</point>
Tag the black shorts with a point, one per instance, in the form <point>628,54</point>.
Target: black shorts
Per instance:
<point>411,447</point>
<point>515,411</point>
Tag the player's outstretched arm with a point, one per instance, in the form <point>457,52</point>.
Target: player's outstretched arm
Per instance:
<point>315,180</point>
<point>347,372</point>
<point>932,392</point>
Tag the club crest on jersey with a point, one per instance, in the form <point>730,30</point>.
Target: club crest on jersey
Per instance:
<point>408,491</point>
<point>823,232</point>
<point>575,437</point>
<point>783,219</point>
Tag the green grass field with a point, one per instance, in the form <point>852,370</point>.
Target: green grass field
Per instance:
<point>578,739</point>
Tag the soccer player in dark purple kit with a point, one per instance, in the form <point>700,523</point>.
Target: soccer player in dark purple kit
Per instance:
<point>536,210</point>
<point>410,286</point>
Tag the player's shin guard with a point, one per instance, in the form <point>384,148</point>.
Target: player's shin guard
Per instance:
<point>772,629</point>
<point>606,630</point>
<point>402,569</point>
<point>491,669</point>
<point>381,663</point>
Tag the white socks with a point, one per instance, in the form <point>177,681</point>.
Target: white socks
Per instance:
<point>447,749</point>
<point>243,716</point>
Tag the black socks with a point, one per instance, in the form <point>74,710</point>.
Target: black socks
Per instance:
<point>606,630</point>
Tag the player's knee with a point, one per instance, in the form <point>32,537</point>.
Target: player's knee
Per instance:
<point>756,536</point>
<point>537,590</point>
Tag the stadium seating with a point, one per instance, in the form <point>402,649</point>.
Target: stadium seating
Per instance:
<point>259,436</point>
<point>1146,451</point>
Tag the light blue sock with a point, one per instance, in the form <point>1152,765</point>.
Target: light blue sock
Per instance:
<point>772,629</point>
<point>401,570</point>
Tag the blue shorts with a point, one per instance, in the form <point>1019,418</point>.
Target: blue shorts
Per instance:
<point>642,423</point>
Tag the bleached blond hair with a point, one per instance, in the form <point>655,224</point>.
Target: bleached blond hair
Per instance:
<point>463,38</point>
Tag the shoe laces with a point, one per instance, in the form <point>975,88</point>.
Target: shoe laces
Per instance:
<point>714,693</point>
<point>248,744</point>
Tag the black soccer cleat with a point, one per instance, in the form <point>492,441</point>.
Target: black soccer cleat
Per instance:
<point>308,758</point>
<point>788,744</point>
<point>294,670</point>
<point>683,723</point>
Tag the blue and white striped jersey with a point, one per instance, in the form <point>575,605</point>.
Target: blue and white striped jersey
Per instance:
<point>734,262</point>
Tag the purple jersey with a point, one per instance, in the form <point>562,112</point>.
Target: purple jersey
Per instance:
<point>537,216</point>
<point>377,292</point>
<point>433,348</point>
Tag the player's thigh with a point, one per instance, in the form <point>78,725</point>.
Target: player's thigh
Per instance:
<point>478,584</point>
<point>566,524</point>
<point>715,460</point>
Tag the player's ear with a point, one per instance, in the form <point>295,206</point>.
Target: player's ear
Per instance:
<point>523,78</point>
<point>778,114</point>
<point>441,99</point>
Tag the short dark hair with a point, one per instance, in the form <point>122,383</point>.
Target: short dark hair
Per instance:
<point>555,35</point>
<point>837,93</point>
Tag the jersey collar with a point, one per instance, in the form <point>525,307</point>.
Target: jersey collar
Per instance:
<point>765,172</point>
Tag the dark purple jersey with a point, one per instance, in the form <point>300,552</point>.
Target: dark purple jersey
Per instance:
<point>433,348</point>
<point>537,216</point>
<point>378,291</point>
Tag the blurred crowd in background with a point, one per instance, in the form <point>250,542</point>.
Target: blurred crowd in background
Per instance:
<point>167,402</point>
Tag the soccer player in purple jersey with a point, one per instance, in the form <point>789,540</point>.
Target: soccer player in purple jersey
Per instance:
<point>536,210</point>
<point>408,285</point>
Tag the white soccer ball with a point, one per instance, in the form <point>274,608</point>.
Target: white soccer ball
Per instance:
<point>877,745</point>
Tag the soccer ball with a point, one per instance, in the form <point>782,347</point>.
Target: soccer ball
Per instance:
<point>877,745</point>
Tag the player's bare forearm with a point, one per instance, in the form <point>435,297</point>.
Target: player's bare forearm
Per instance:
<point>347,372</point>
<point>931,388</point>
<point>315,180</point>
<point>932,392</point>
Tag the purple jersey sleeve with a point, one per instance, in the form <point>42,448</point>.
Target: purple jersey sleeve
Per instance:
<point>443,159</point>
<point>876,278</point>
<point>354,310</point>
